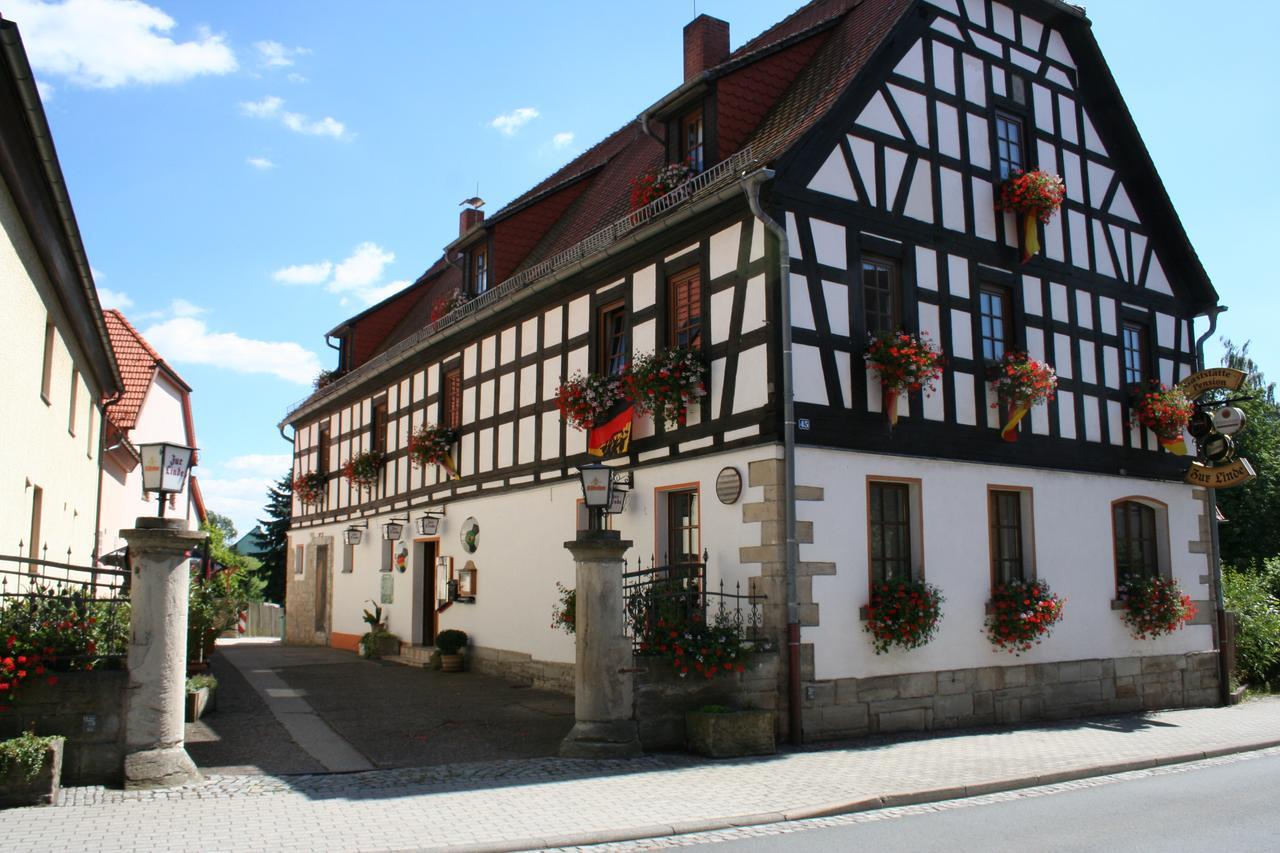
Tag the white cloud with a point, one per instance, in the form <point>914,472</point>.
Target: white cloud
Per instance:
<point>304,273</point>
<point>46,90</point>
<point>186,339</point>
<point>244,499</point>
<point>295,77</point>
<point>264,464</point>
<point>362,269</point>
<point>103,44</point>
<point>509,123</point>
<point>377,294</point>
<point>182,308</point>
<point>563,139</point>
<point>271,107</point>
<point>272,54</point>
<point>112,298</point>
<point>358,275</point>
<point>260,163</point>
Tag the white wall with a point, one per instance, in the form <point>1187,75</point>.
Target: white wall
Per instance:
<point>1073,552</point>
<point>521,554</point>
<point>36,447</point>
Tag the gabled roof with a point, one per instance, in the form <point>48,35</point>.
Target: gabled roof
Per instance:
<point>139,363</point>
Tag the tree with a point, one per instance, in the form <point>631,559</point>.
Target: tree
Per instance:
<point>217,520</point>
<point>1251,534</point>
<point>275,538</point>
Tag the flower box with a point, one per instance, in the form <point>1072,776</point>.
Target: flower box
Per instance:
<point>378,645</point>
<point>20,787</point>
<point>200,700</point>
<point>722,733</point>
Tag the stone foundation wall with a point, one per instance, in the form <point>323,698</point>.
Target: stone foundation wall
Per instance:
<point>853,707</point>
<point>88,709</point>
<point>662,697</point>
<point>522,668</point>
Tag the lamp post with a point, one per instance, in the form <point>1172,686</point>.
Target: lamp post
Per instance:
<point>164,468</point>
<point>597,492</point>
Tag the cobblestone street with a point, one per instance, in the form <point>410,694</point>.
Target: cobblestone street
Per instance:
<point>549,802</point>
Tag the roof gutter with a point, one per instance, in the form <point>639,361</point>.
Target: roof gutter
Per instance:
<point>751,185</point>
<point>459,329</point>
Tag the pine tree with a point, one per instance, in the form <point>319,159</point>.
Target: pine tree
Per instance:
<point>1251,535</point>
<point>275,537</point>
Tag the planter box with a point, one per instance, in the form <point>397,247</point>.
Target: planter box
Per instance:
<point>380,647</point>
<point>17,790</point>
<point>731,734</point>
<point>199,701</point>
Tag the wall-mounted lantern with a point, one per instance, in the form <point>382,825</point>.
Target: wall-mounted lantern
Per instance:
<point>429,523</point>
<point>393,527</point>
<point>354,534</point>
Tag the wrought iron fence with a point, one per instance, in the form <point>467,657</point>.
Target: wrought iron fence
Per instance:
<point>59,616</point>
<point>676,597</point>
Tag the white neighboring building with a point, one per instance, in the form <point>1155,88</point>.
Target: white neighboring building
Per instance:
<point>155,406</point>
<point>57,363</point>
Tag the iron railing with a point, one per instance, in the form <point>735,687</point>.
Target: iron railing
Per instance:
<point>698,186</point>
<point>63,616</point>
<point>676,597</point>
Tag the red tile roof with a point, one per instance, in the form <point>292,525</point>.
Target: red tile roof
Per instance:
<point>139,362</point>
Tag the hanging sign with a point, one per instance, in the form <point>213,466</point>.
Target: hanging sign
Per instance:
<point>1235,473</point>
<point>1212,379</point>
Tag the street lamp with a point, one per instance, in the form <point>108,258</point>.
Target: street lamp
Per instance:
<point>353,534</point>
<point>393,528</point>
<point>429,524</point>
<point>164,468</point>
<point>597,492</point>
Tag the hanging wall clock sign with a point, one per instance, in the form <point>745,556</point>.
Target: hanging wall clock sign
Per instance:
<point>470,535</point>
<point>1212,427</point>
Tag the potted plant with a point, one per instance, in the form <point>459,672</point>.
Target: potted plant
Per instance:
<point>1164,411</point>
<point>362,469</point>
<point>201,695</point>
<point>585,400</point>
<point>1036,196</point>
<point>1020,382</point>
<point>1152,607</point>
<point>326,378</point>
<point>310,487</point>
<point>665,382</point>
<point>447,304</point>
<point>903,613</point>
<point>565,612</point>
<point>903,362</point>
<point>721,732</point>
<point>30,770</point>
<point>450,643</point>
<point>430,445</point>
<point>651,186</point>
<point>1021,614</point>
<point>377,641</point>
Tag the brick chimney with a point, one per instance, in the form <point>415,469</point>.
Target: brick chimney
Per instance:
<point>469,219</point>
<point>706,45</point>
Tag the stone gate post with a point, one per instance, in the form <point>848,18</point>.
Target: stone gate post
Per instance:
<point>606,726</point>
<point>155,754</point>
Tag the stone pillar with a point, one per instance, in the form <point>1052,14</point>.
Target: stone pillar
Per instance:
<point>602,691</point>
<point>155,756</point>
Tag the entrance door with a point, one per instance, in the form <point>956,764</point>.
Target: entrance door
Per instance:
<point>425,564</point>
<point>322,589</point>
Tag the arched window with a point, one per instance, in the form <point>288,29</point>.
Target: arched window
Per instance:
<point>1141,538</point>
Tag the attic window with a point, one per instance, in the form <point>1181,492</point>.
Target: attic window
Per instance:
<point>479,271</point>
<point>691,141</point>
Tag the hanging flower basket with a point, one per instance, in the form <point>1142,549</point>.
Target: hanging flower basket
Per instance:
<point>1022,614</point>
<point>1021,382</point>
<point>1164,411</point>
<point>310,488</point>
<point>430,445</point>
<point>664,383</point>
<point>362,469</point>
<point>903,613</point>
<point>903,362</point>
<point>585,400</point>
<point>654,185</point>
<point>1154,606</point>
<point>1036,197</point>
<point>447,304</point>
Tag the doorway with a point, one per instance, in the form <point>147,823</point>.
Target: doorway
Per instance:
<point>424,561</point>
<point>322,589</point>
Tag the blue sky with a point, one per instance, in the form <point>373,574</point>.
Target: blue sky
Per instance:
<point>246,174</point>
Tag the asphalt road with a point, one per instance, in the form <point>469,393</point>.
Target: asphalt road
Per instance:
<point>1232,807</point>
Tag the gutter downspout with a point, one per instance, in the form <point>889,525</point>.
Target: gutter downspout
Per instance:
<point>795,719</point>
<point>1215,550</point>
<point>102,458</point>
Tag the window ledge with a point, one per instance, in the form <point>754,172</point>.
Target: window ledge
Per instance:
<point>864,613</point>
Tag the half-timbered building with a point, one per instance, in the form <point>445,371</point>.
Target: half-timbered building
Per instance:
<point>847,162</point>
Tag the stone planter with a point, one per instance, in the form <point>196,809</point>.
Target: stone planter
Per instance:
<point>42,790</point>
<point>730,734</point>
<point>200,700</point>
<point>378,647</point>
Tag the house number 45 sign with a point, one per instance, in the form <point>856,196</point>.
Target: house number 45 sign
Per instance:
<point>1212,427</point>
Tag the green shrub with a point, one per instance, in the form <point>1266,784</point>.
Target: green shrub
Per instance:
<point>196,682</point>
<point>26,752</point>
<point>1249,595</point>
<point>451,641</point>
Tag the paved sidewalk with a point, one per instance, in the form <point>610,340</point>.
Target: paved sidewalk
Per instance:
<point>547,802</point>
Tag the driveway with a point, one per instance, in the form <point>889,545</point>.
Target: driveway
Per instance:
<point>297,709</point>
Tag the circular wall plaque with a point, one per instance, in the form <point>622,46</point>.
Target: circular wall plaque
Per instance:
<point>728,485</point>
<point>470,535</point>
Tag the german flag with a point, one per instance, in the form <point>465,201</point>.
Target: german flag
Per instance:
<point>613,436</point>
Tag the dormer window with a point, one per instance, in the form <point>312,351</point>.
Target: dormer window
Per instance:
<point>691,150</point>
<point>479,270</point>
